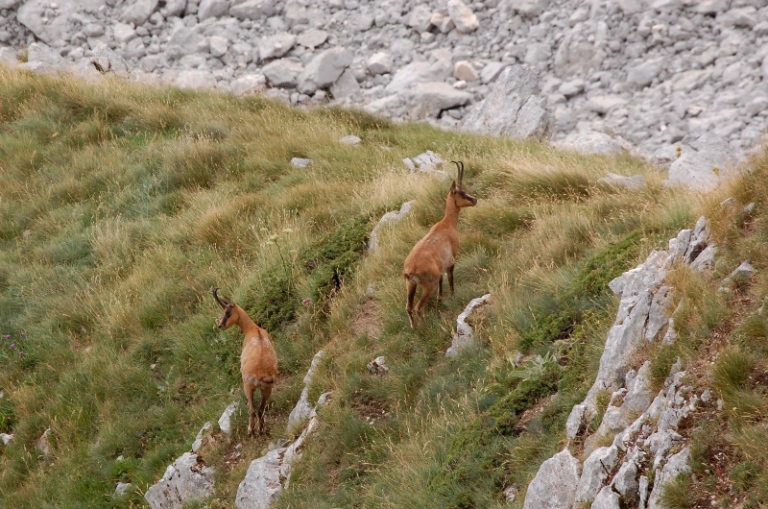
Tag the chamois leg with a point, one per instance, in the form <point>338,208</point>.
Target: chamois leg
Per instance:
<point>411,287</point>
<point>429,289</point>
<point>450,277</point>
<point>248,388</point>
<point>265,392</point>
<point>440,289</point>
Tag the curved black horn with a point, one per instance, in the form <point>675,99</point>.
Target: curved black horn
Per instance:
<point>223,303</point>
<point>460,171</point>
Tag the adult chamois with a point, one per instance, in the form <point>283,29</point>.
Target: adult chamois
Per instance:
<point>258,361</point>
<point>435,254</point>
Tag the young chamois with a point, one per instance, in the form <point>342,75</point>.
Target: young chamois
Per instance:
<point>258,361</point>
<point>435,254</point>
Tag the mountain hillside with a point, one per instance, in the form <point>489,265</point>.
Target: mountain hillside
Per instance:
<point>121,206</point>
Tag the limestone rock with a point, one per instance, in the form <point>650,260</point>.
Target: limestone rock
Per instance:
<point>225,421</point>
<point>378,366</point>
<point>276,46</point>
<point>324,69</point>
<point>122,489</point>
<point>591,142</point>
<point>312,38</point>
<point>389,217</point>
<point>139,11</point>
<point>254,9</point>
<point>282,73</point>
<point>302,411</point>
<point>554,486</point>
<point>109,61</point>
<point>300,162</point>
<point>379,63</point>
<point>614,180</point>
<point>595,472</point>
<point>188,479</point>
<point>462,16</point>
<point>703,165</point>
<point>431,98</point>
<point>262,482</point>
<point>248,84</point>
<point>212,9</point>
<point>512,108</point>
<point>195,79</point>
<point>44,60</point>
<point>464,336</point>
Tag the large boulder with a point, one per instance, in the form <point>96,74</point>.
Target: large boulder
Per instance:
<point>512,108</point>
<point>188,479</point>
<point>703,164</point>
<point>139,11</point>
<point>554,486</point>
<point>51,25</point>
<point>429,99</point>
<point>324,69</point>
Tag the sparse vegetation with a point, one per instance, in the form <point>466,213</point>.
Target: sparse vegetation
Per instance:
<point>121,206</point>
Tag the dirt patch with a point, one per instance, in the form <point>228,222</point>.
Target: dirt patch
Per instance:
<point>368,320</point>
<point>532,412</point>
<point>369,410</point>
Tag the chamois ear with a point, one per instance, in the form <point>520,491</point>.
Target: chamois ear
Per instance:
<point>453,186</point>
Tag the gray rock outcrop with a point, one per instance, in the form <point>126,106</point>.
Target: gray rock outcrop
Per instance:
<point>646,452</point>
<point>555,484</point>
<point>188,479</point>
<point>268,475</point>
<point>389,217</point>
<point>513,107</point>
<point>464,337</point>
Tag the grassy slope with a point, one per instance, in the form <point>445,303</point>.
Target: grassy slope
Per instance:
<point>120,206</point>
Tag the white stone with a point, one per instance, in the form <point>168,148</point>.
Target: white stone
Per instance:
<point>595,472</point>
<point>195,79</point>
<point>464,336</point>
<point>122,488</point>
<point>431,98</point>
<point>139,11</point>
<point>513,107</point>
<point>378,366</point>
<point>606,499</point>
<point>350,139</point>
<point>219,45</point>
<point>225,421</point>
<point>300,162</point>
<point>463,70</point>
<point>188,479</point>
<point>254,9</point>
<point>614,180</point>
<point>389,217</point>
<point>379,63</point>
<point>212,9</point>
<point>312,38</point>
<point>282,73</point>
<point>462,16</point>
<point>324,69</point>
<point>201,437</point>
<point>276,46</point>
<point>554,486</point>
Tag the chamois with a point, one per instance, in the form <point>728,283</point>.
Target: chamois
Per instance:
<point>435,254</point>
<point>258,361</point>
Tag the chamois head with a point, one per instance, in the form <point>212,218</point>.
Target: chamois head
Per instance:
<point>460,197</point>
<point>230,316</point>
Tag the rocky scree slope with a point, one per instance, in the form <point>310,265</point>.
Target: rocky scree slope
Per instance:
<point>653,72</point>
